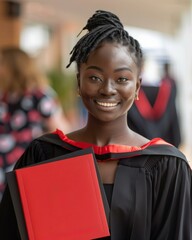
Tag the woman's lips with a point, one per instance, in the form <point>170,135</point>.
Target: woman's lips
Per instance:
<point>107,104</point>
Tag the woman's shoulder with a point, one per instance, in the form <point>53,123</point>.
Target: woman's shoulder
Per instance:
<point>153,151</point>
<point>41,149</point>
<point>160,147</point>
<point>165,155</point>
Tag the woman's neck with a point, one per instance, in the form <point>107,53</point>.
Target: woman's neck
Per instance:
<point>105,133</point>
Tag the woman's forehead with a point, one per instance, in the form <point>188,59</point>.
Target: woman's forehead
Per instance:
<point>107,54</point>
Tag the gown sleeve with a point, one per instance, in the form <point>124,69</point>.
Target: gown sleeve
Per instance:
<point>8,222</point>
<point>172,200</point>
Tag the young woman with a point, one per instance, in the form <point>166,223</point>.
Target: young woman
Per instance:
<point>147,182</point>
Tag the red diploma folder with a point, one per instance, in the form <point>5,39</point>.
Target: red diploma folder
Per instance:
<point>62,198</point>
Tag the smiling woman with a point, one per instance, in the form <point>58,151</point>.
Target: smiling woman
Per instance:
<point>147,182</point>
<point>108,88</point>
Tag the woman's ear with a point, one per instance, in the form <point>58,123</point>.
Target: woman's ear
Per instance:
<point>78,84</point>
<point>138,85</point>
<point>78,79</point>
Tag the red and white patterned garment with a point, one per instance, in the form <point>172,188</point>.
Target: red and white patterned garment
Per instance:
<point>21,120</point>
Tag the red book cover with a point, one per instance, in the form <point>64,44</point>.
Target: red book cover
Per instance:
<point>61,198</point>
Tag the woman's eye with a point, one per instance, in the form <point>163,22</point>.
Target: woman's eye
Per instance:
<point>95,79</point>
<point>122,80</point>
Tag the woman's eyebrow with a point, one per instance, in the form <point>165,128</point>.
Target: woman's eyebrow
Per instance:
<point>116,70</point>
<point>95,67</point>
<point>122,69</point>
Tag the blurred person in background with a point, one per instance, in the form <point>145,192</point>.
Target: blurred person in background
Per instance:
<point>29,107</point>
<point>167,75</point>
<point>155,114</point>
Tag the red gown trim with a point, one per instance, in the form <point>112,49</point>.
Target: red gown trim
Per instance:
<point>111,148</point>
<point>159,108</point>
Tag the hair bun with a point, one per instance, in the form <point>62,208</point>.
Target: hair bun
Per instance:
<point>102,18</point>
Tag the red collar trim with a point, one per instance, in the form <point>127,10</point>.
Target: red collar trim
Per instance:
<point>112,148</point>
<point>156,111</point>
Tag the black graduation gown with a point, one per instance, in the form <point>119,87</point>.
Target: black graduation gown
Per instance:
<point>155,114</point>
<point>151,195</point>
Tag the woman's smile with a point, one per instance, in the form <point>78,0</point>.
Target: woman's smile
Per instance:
<point>106,104</point>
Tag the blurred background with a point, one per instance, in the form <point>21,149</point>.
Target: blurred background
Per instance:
<point>47,30</point>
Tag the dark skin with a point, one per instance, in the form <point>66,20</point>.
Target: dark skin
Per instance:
<point>108,84</point>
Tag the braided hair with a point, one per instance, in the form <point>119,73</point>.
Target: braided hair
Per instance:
<point>104,26</point>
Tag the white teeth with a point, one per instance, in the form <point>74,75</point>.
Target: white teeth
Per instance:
<point>107,104</point>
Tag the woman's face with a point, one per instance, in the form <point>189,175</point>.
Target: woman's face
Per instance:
<point>108,82</point>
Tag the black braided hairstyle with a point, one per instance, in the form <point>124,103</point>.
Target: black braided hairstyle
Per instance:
<point>104,26</point>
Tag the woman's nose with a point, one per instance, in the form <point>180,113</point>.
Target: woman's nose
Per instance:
<point>108,87</point>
